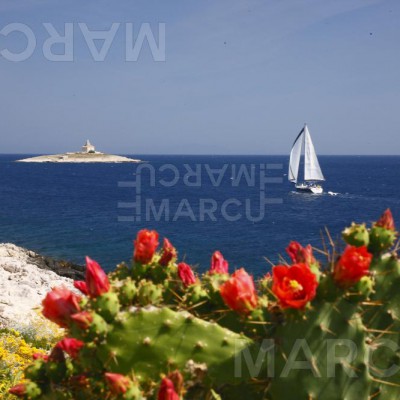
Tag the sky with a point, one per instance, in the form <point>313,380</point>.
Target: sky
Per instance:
<point>236,76</point>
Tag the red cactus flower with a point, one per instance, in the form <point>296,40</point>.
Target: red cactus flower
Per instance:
<point>18,390</point>
<point>96,279</point>
<point>40,356</point>
<point>239,292</point>
<point>118,383</point>
<point>186,274</point>
<point>59,305</point>
<point>168,253</point>
<point>352,265</point>
<point>386,221</point>
<point>218,264</point>
<point>81,285</point>
<point>71,346</point>
<point>82,319</point>
<point>300,254</point>
<point>167,390</point>
<point>294,286</point>
<point>146,244</point>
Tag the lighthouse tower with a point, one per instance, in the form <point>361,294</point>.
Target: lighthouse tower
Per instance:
<point>88,147</point>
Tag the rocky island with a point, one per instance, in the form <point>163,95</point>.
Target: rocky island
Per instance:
<point>88,154</point>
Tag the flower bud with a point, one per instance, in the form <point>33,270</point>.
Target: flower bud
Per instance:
<point>117,383</point>
<point>167,390</point>
<point>81,285</point>
<point>71,346</point>
<point>146,244</point>
<point>352,266</point>
<point>186,274</point>
<point>356,235</point>
<point>168,253</point>
<point>239,292</point>
<point>386,221</point>
<point>218,264</point>
<point>59,305</point>
<point>96,279</point>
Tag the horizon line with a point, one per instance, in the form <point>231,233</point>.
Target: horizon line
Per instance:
<point>216,154</point>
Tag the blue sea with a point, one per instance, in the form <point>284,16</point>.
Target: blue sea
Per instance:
<point>241,205</point>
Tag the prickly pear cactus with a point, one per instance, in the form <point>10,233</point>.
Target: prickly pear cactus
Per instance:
<point>310,329</point>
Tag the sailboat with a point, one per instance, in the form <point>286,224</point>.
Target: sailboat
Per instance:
<point>312,170</point>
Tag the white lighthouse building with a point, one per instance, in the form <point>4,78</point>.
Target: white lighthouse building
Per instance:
<point>88,147</point>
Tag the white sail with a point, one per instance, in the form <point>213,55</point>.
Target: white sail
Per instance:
<point>312,170</point>
<point>295,154</point>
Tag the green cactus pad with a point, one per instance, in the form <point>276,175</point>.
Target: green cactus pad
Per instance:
<point>148,342</point>
<point>382,319</point>
<point>306,345</point>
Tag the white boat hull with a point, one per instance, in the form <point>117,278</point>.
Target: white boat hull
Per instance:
<point>315,189</point>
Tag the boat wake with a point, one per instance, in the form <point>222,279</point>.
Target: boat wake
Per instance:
<point>319,194</point>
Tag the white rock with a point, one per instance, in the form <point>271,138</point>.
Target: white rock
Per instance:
<point>23,285</point>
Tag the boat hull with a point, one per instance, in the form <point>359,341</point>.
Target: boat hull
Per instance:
<point>315,189</point>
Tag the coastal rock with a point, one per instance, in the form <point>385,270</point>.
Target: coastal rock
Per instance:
<point>25,278</point>
<point>80,158</point>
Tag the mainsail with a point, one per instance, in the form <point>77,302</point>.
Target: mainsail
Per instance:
<point>295,154</point>
<point>312,170</point>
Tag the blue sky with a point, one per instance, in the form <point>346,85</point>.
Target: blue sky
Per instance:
<point>240,77</point>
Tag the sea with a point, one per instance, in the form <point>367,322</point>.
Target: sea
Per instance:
<point>243,206</point>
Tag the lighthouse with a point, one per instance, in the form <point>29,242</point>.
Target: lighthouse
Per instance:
<point>88,148</point>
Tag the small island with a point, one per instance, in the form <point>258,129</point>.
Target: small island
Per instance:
<point>88,154</point>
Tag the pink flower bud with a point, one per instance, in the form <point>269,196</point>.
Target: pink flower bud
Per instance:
<point>96,279</point>
<point>300,254</point>
<point>167,391</point>
<point>186,274</point>
<point>81,285</point>
<point>218,264</point>
<point>118,383</point>
<point>239,292</point>
<point>59,305</point>
<point>18,390</point>
<point>168,253</point>
<point>386,221</point>
<point>71,346</point>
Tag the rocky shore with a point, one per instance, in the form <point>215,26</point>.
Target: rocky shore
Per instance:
<point>25,278</point>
